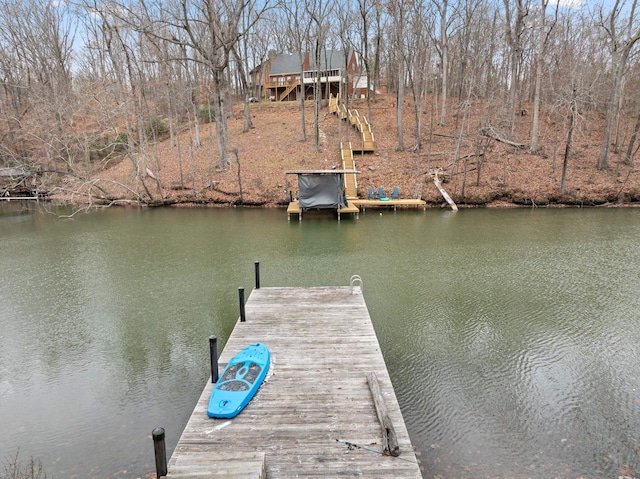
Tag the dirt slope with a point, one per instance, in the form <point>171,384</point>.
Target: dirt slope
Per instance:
<point>507,176</point>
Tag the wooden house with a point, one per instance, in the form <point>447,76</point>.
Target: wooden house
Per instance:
<point>279,77</point>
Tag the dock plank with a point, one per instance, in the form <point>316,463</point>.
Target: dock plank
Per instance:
<point>322,345</point>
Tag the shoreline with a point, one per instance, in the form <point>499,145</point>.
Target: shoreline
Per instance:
<point>174,203</point>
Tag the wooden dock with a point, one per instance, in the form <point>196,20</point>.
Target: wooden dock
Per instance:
<point>349,208</point>
<point>322,345</point>
<point>376,203</point>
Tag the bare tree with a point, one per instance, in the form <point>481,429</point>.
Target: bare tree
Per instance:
<point>469,44</point>
<point>240,53</point>
<point>516,12</point>
<point>36,43</point>
<point>121,56</point>
<point>364,9</point>
<point>378,47</point>
<point>572,116</point>
<point>628,158</point>
<point>209,31</point>
<point>445,23</point>
<point>346,19</point>
<point>298,27</point>
<point>398,11</point>
<point>419,56</point>
<point>623,35</point>
<point>319,12</point>
<point>544,34</point>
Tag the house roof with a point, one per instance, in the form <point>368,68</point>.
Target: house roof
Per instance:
<point>285,63</point>
<point>329,60</point>
<point>290,62</point>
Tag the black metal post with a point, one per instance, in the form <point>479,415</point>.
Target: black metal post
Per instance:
<point>257,274</point>
<point>213,350</point>
<point>241,295</point>
<point>160,451</point>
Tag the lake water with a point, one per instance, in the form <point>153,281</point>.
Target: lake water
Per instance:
<point>511,336</point>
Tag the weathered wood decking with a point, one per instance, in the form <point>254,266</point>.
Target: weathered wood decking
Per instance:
<point>364,203</point>
<point>349,208</point>
<point>322,344</point>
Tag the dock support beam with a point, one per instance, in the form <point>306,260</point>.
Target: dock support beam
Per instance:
<point>160,450</point>
<point>257,263</point>
<point>241,301</point>
<point>389,436</point>
<point>213,351</point>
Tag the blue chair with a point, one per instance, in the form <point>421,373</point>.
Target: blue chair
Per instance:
<point>372,194</point>
<point>381,195</point>
<point>395,194</point>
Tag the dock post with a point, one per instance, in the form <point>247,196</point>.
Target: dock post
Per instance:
<point>213,350</point>
<point>241,298</point>
<point>257,263</point>
<point>160,450</point>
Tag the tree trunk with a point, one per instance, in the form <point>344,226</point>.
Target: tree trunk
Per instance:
<point>536,108</point>
<point>619,66</point>
<point>303,124</point>
<point>444,68</point>
<point>622,45</point>
<point>399,104</point>
<point>221,118</point>
<point>376,57</point>
<point>542,42</point>
<point>317,94</point>
<point>569,139</point>
<point>628,158</point>
<point>514,34</point>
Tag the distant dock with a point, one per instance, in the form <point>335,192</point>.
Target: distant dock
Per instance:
<point>315,415</point>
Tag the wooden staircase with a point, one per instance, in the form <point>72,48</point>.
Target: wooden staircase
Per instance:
<point>368,142</point>
<point>288,90</point>
<point>360,123</point>
<point>348,163</point>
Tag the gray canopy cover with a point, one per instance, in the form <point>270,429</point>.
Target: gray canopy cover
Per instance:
<point>320,191</point>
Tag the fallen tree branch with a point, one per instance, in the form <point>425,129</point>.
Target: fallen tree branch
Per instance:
<point>491,133</point>
<point>444,194</point>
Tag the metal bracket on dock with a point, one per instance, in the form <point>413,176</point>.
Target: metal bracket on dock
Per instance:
<point>355,279</point>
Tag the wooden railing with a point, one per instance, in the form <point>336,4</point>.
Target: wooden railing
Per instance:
<point>282,84</point>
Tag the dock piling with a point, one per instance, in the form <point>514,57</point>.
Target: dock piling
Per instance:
<point>213,350</point>
<point>257,263</point>
<point>241,300</point>
<point>160,450</point>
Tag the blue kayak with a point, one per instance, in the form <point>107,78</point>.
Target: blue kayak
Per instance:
<point>239,381</point>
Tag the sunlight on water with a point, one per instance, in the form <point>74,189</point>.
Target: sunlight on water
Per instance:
<point>510,336</point>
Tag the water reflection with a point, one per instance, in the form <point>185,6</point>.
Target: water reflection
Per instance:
<point>511,336</point>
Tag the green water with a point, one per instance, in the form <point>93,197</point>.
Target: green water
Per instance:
<point>511,336</point>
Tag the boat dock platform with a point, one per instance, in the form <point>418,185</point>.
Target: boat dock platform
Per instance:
<point>315,415</point>
<point>389,203</point>
<point>294,209</point>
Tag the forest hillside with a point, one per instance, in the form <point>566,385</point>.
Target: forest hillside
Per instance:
<point>479,169</point>
<point>526,102</point>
